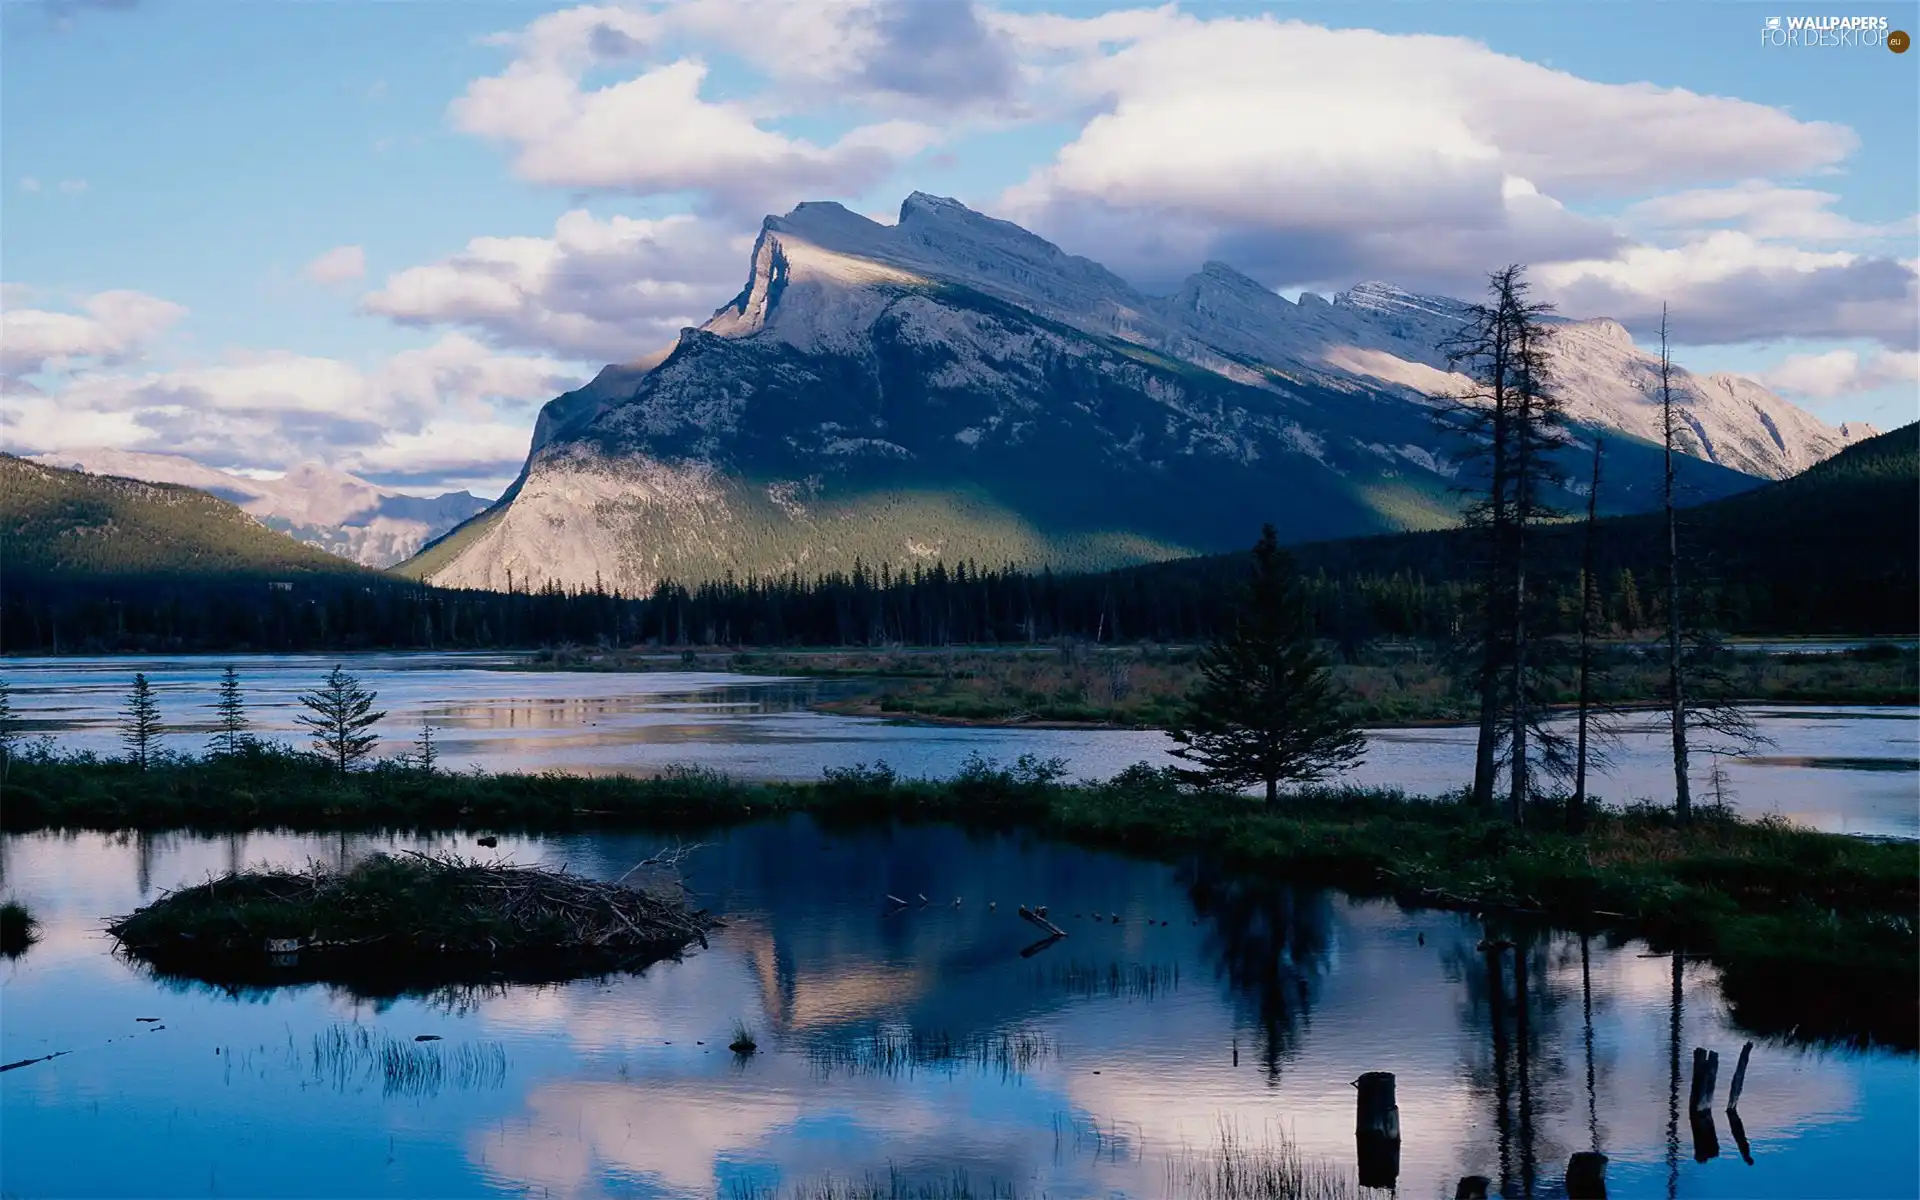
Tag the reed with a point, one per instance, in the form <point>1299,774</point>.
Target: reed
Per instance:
<point>896,1051</point>
<point>353,1058</point>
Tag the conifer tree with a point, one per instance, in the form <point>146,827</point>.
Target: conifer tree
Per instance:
<point>340,715</point>
<point>230,716</point>
<point>1511,423</point>
<point>425,752</point>
<point>1266,708</point>
<point>9,728</point>
<point>140,723</point>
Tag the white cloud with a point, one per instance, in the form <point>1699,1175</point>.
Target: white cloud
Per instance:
<point>1765,210</point>
<point>447,408</point>
<point>1844,372</point>
<point>913,70</point>
<point>72,187</point>
<point>1312,157</point>
<point>656,134</point>
<point>1731,287</point>
<point>338,265</point>
<point>29,184</point>
<point>113,327</point>
<point>602,290</point>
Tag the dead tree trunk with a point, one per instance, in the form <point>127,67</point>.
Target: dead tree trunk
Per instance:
<point>1577,810</point>
<point>1682,796</point>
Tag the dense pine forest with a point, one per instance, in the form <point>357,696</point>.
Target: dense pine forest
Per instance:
<point>1830,551</point>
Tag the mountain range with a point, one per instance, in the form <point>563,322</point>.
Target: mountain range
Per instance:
<point>337,512</point>
<point>954,387</point>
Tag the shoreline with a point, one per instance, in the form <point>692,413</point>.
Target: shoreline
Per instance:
<point>1813,932</point>
<point>868,710</point>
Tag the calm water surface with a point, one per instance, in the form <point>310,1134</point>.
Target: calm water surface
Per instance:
<point>1853,770</point>
<point>1126,1045</point>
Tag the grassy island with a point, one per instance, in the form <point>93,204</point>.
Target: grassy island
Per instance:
<point>411,917</point>
<point>1145,686</point>
<point>1813,932</point>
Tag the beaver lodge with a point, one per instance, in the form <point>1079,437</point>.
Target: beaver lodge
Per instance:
<point>411,919</point>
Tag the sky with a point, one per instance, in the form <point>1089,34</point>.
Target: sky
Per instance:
<point>380,235</point>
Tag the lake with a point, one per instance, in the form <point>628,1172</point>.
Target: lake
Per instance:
<point>1851,770</point>
<point>920,1041</point>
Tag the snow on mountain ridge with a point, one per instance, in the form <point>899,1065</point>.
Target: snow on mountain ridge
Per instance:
<point>821,273</point>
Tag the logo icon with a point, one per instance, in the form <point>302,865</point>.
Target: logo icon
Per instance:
<point>1773,23</point>
<point>1898,41</point>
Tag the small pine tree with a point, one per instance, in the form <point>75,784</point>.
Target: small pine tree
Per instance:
<point>230,717</point>
<point>1266,708</point>
<point>140,724</point>
<point>340,715</point>
<point>425,753</point>
<point>9,728</point>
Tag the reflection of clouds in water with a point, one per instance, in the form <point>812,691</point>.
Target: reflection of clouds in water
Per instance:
<point>597,1103</point>
<point>580,1138</point>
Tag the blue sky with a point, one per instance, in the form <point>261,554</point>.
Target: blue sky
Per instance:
<point>515,193</point>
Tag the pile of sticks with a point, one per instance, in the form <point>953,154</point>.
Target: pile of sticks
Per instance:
<point>421,904</point>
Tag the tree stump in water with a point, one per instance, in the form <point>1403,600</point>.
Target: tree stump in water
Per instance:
<point>1587,1176</point>
<point>1472,1187</point>
<point>1706,1138</point>
<point>1739,1078</point>
<point>1377,1130</point>
<point>1706,1070</point>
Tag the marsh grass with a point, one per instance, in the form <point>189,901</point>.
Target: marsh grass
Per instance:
<point>354,1058</point>
<point>1146,686</point>
<point>744,1043</point>
<point>895,1186</point>
<point>19,929</point>
<point>897,1051</point>
<point>1132,981</point>
<point>1235,1167</point>
<point>1239,1167</point>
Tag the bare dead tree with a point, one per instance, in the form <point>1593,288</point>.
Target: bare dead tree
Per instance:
<point>1698,688</point>
<point>1676,690</point>
<point>1577,805</point>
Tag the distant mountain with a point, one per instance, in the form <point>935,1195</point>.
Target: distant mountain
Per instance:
<point>338,512</point>
<point>71,525</point>
<point>954,387</point>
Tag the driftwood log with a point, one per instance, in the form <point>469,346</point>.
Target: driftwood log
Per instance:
<point>1039,918</point>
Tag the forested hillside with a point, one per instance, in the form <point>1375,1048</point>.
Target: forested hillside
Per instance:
<point>61,524</point>
<point>1833,550</point>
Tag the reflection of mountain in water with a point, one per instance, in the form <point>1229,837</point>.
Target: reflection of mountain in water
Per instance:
<point>807,907</point>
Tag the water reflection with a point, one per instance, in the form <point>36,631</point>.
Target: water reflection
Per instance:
<point>1269,941</point>
<point>918,1040</point>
